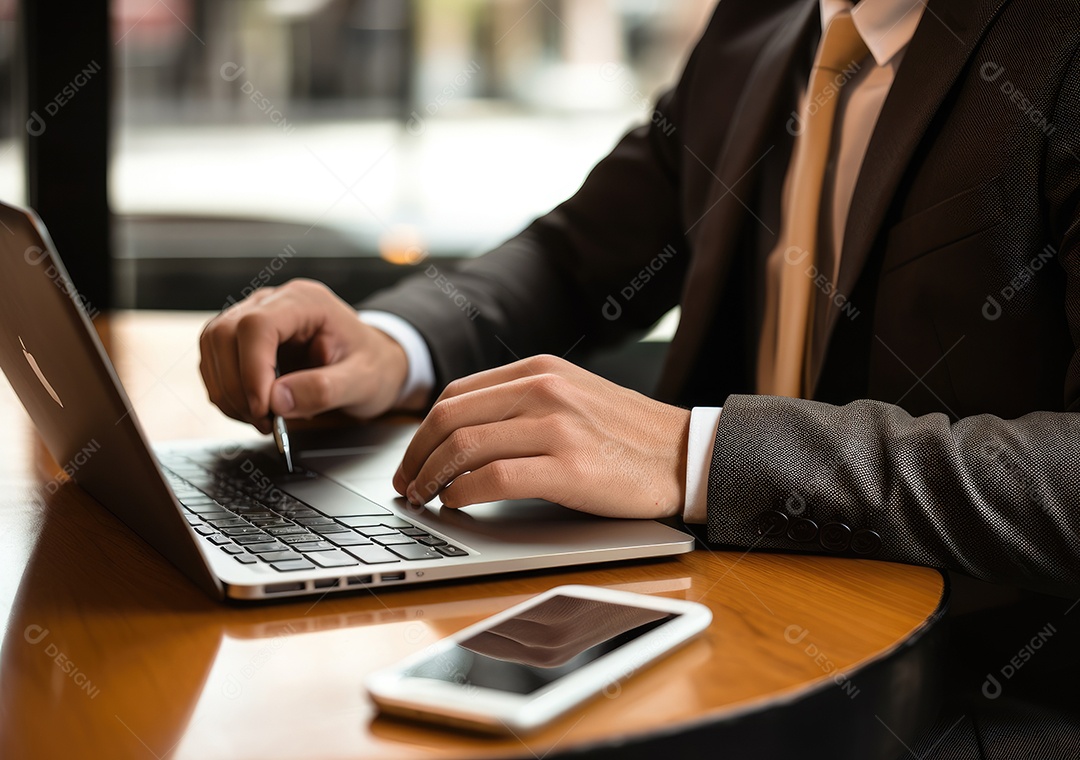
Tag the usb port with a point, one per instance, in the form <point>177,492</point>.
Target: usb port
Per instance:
<point>392,577</point>
<point>326,583</point>
<point>359,580</point>
<point>284,588</point>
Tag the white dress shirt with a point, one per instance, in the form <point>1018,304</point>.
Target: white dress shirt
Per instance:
<point>886,27</point>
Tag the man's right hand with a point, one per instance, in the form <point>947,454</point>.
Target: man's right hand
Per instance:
<point>348,365</point>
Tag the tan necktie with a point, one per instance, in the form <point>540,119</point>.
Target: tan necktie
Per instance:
<point>790,270</point>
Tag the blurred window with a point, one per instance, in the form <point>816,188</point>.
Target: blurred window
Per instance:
<point>364,129</point>
<point>12,166</point>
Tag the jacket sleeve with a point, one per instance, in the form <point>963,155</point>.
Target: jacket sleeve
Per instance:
<point>997,499</point>
<point>557,284</point>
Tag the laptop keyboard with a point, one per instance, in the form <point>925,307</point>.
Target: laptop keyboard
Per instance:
<point>256,522</point>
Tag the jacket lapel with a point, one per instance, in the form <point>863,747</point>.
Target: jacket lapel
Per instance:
<point>943,42</point>
<point>715,237</point>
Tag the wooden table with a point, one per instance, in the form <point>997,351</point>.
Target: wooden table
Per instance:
<point>110,652</point>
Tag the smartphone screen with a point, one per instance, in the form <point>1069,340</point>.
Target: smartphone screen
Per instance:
<point>540,644</point>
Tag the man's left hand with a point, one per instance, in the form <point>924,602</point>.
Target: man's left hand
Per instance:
<point>545,428</point>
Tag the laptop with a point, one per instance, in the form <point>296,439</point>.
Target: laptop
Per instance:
<point>228,514</point>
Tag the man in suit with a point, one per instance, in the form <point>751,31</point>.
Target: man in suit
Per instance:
<point>871,220</point>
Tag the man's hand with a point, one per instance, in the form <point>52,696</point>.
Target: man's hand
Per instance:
<point>545,428</point>
<point>347,365</point>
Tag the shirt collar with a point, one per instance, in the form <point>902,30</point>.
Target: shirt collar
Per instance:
<point>886,26</point>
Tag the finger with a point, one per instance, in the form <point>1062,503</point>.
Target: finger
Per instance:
<point>225,359</point>
<point>306,393</point>
<point>257,341</point>
<point>259,333</point>
<point>470,448</point>
<point>505,401</point>
<point>206,366</point>
<point>525,478</point>
<point>213,336</point>
<point>533,365</point>
<point>220,360</point>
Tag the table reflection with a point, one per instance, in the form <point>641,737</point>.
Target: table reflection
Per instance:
<point>120,650</point>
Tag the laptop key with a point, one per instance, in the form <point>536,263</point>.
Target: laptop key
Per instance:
<point>234,522</point>
<point>232,549</point>
<point>278,556</point>
<point>256,513</point>
<point>245,530</point>
<point>371,521</point>
<point>300,512</point>
<point>203,509</point>
<point>410,531</point>
<point>372,555</point>
<point>451,551</point>
<point>415,552</point>
<point>217,515</point>
<point>429,540</point>
<point>203,530</point>
<point>245,559</point>
<point>329,530</point>
<point>331,559</point>
<point>312,521</point>
<point>285,530</point>
<point>268,522</point>
<point>299,538</point>
<point>219,539</point>
<point>313,546</point>
<point>291,565</point>
<point>273,546</point>
<point>348,539</point>
<point>395,522</point>
<point>394,539</point>
<point>376,530</point>
<point>254,538</point>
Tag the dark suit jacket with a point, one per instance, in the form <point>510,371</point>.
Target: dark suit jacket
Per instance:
<point>948,378</point>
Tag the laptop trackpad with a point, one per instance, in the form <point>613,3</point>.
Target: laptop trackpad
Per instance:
<point>333,500</point>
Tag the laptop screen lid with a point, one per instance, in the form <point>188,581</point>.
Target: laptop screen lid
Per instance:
<point>51,355</point>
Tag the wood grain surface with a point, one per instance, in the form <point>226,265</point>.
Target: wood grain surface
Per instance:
<point>110,652</point>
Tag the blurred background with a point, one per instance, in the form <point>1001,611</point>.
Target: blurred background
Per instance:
<point>253,141</point>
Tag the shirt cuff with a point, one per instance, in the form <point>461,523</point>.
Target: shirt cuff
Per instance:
<point>420,380</point>
<point>699,452</point>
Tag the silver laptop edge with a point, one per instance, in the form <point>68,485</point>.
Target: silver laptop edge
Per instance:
<point>56,364</point>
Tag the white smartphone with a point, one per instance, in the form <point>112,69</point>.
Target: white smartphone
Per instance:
<point>526,666</point>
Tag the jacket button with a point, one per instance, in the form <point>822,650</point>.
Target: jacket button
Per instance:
<point>802,530</point>
<point>835,536</point>
<point>865,541</point>
<point>772,523</point>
